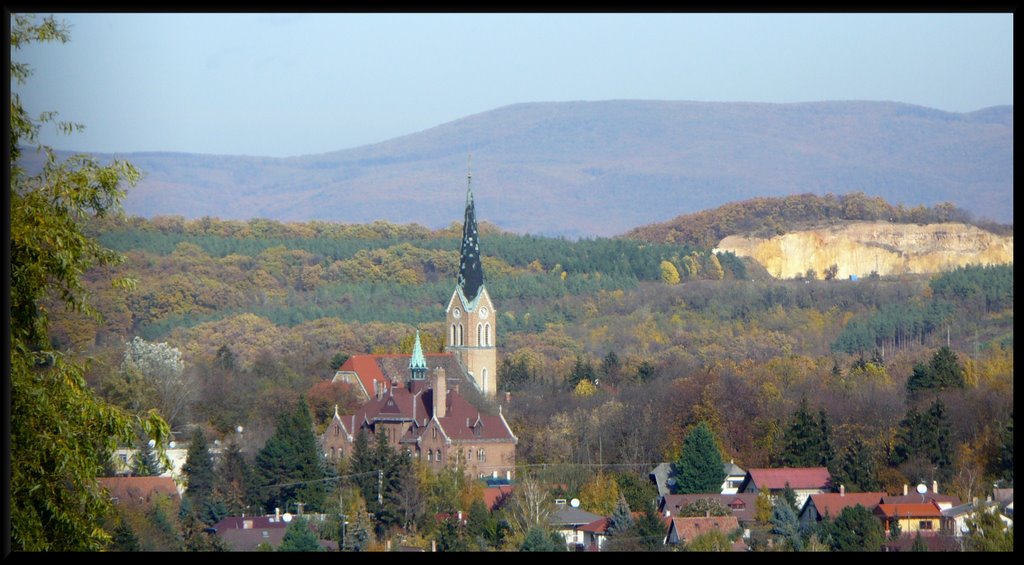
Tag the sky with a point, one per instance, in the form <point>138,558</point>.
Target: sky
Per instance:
<point>279,85</point>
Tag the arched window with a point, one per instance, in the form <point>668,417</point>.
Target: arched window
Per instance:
<point>461,340</point>
<point>479,334</point>
<point>452,341</point>
<point>481,455</point>
<point>487,334</point>
<point>430,454</point>
<point>483,374</point>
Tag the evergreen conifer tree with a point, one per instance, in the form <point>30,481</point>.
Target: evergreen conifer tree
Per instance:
<point>290,468</point>
<point>299,537</point>
<point>699,467</point>
<point>198,468</point>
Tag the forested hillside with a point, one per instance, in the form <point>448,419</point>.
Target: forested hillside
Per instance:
<point>767,217</point>
<point>611,349</point>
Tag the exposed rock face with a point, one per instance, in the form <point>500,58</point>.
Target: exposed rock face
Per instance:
<point>858,248</point>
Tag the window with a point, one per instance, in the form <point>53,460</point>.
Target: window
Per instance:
<point>481,455</point>
<point>433,433</point>
<point>479,334</point>
<point>487,334</point>
<point>452,341</point>
<point>483,375</point>
<point>461,340</point>
<point>925,525</point>
<point>430,454</point>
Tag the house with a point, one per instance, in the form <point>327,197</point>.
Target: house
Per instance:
<point>743,506</point>
<point>804,481</point>
<point>912,517</point>
<point>431,419</point>
<point>664,480</point>
<point>944,501</point>
<point>954,519</point>
<point>139,490</point>
<point>569,521</point>
<point>832,504</point>
<point>683,529</point>
<point>246,533</point>
<point>595,534</point>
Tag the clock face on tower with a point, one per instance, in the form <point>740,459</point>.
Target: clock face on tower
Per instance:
<point>484,312</point>
<point>457,313</point>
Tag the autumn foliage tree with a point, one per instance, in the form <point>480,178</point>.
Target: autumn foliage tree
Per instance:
<point>55,501</point>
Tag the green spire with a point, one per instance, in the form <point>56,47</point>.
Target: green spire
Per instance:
<point>418,363</point>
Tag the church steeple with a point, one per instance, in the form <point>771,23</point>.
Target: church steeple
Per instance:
<point>471,272</point>
<point>418,363</point>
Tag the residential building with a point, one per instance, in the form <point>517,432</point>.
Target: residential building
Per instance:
<point>139,490</point>
<point>912,517</point>
<point>832,504</point>
<point>804,481</point>
<point>570,521</point>
<point>743,506</point>
<point>684,529</point>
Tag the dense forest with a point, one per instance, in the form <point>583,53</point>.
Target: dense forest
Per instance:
<point>610,350</point>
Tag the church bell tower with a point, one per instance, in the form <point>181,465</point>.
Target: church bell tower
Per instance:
<point>472,321</point>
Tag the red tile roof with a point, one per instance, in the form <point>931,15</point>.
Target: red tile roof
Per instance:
<point>249,522</point>
<point>797,477</point>
<point>910,510</point>
<point>494,497</point>
<point>463,421</point>
<point>599,526</point>
<point>689,528</point>
<point>833,503</point>
<point>139,489</point>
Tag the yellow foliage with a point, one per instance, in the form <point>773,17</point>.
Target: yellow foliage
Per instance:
<point>584,388</point>
<point>600,495</point>
<point>669,273</point>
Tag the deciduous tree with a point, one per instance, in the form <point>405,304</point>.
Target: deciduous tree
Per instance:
<point>55,501</point>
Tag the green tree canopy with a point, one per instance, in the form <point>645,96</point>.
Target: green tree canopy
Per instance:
<point>807,441</point>
<point>942,372</point>
<point>290,468</point>
<point>855,529</point>
<point>299,537</point>
<point>699,467</point>
<point>56,503</point>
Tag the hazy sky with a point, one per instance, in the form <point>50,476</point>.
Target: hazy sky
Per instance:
<point>293,84</point>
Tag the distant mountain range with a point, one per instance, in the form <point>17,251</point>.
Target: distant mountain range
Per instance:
<point>600,168</point>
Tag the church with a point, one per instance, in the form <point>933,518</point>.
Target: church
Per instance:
<point>415,399</point>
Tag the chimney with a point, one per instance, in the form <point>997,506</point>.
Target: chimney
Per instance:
<point>842,490</point>
<point>935,487</point>
<point>440,392</point>
<point>277,514</point>
<point>905,490</point>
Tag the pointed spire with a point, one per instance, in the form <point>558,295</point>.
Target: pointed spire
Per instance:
<point>418,361</point>
<point>471,273</point>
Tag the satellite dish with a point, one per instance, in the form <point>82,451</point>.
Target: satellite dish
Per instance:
<point>152,443</point>
<point>172,445</point>
<point>287,517</point>
<point>575,503</point>
<point>239,429</point>
<point>921,489</point>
